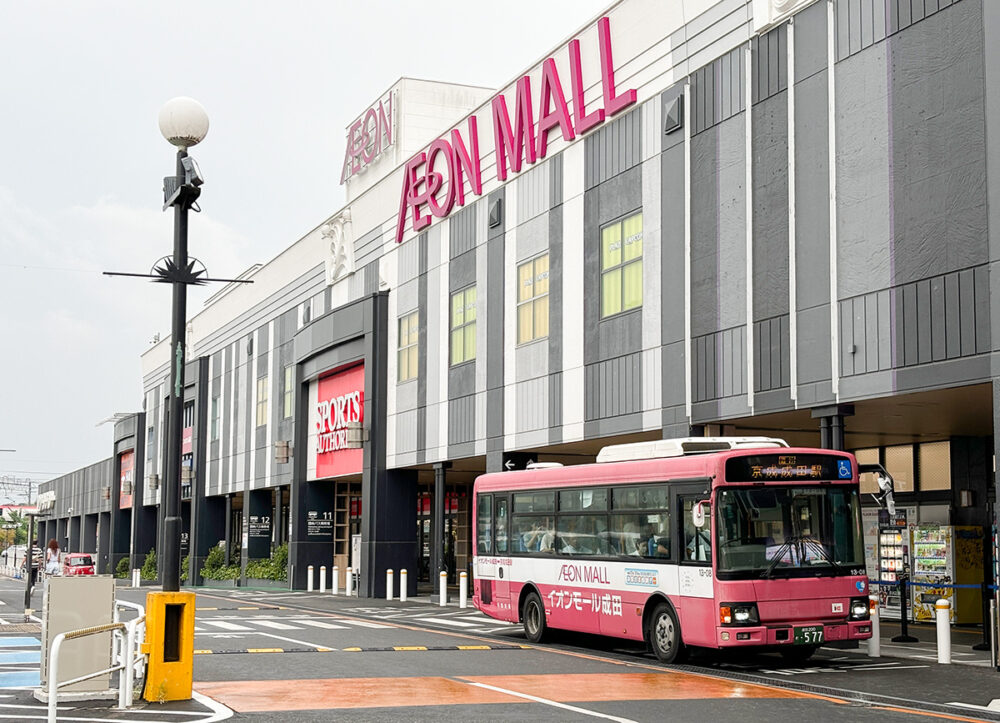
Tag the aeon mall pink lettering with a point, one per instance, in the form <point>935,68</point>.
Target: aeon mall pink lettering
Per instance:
<point>434,180</point>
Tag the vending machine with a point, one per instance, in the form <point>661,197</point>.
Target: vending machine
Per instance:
<point>944,555</point>
<point>893,560</point>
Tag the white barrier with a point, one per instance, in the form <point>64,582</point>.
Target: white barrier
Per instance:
<point>402,585</point>
<point>335,582</point>
<point>443,589</point>
<point>136,577</point>
<point>309,579</point>
<point>463,589</point>
<point>874,642</point>
<point>349,587</point>
<point>942,611</point>
<point>388,584</point>
<point>322,578</point>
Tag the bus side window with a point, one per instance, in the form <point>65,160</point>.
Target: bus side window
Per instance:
<point>501,526</point>
<point>484,525</point>
<point>697,540</point>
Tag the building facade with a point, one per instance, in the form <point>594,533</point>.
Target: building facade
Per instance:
<point>704,216</point>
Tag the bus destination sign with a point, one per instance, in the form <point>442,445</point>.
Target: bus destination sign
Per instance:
<point>788,467</point>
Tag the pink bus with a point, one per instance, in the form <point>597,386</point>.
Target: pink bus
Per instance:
<point>700,542</point>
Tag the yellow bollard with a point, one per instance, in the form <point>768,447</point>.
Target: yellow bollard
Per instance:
<point>169,645</point>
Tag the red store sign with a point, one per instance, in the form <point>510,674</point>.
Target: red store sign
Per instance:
<point>339,402</point>
<point>126,463</point>
<point>434,179</point>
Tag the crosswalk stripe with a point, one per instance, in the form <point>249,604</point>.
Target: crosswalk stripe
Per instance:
<point>224,625</point>
<point>447,621</point>
<point>321,624</point>
<point>364,623</point>
<point>276,625</point>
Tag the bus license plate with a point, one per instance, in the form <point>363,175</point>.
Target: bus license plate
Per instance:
<point>809,635</point>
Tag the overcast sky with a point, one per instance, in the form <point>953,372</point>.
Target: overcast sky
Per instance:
<point>83,160</point>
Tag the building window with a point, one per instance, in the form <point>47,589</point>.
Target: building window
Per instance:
<point>289,392</point>
<point>188,415</point>
<point>621,266</point>
<point>409,335</point>
<point>215,418</point>
<point>262,401</point>
<point>533,300</point>
<point>463,326</point>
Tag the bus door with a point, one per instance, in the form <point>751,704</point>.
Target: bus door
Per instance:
<point>501,584</point>
<point>696,593</point>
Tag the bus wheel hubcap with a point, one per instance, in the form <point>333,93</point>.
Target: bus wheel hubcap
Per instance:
<point>665,632</point>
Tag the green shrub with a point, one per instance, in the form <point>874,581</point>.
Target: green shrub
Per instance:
<point>184,568</point>
<point>215,567</point>
<point>273,568</point>
<point>148,571</point>
<point>122,570</point>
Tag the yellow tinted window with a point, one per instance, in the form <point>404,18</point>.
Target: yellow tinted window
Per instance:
<point>525,331</point>
<point>611,246</point>
<point>470,342</point>
<point>611,293</point>
<point>632,232</point>
<point>457,346</point>
<point>525,281</point>
<point>457,310</point>
<point>633,284</point>
<point>470,304</point>
<point>542,317</point>
<point>542,275</point>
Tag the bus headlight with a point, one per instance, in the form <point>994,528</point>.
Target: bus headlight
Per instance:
<point>738,614</point>
<point>859,608</point>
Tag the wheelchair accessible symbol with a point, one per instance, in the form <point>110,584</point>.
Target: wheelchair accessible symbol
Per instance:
<point>844,469</point>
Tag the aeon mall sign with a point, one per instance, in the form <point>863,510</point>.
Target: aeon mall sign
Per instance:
<point>434,180</point>
<point>369,137</point>
<point>339,402</point>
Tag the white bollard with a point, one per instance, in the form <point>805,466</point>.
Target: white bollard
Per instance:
<point>443,589</point>
<point>402,585</point>
<point>942,610</point>
<point>463,589</point>
<point>335,582</point>
<point>322,578</point>
<point>349,585</point>
<point>136,577</point>
<point>874,642</point>
<point>388,584</point>
<point>309,579</point>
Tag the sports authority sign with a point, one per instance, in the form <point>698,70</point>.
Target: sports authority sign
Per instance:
<point>337,402</point>
<point>434,179</point>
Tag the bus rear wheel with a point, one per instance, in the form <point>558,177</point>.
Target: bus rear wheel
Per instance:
<point>533,617</point>
<point>665,635</point>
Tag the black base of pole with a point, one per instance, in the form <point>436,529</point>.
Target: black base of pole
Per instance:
<point>905,639</point>
<point>981,646</point>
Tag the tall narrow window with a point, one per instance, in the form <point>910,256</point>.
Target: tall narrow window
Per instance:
<point>289,392</point>
<point>621,266</point>
<point>463,326</point>
<point>533,300</point>
<point>262,401</point>
<point>215,418</point>
<point>409,337</point>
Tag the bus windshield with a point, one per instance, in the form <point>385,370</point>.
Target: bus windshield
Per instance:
<point>778,531</point>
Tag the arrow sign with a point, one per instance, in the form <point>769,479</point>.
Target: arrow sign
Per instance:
<point>509,465</point>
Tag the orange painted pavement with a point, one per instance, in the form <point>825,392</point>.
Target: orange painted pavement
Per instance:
<point>317,694</point>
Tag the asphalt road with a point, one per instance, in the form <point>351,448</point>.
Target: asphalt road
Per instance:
<point>304,657</point>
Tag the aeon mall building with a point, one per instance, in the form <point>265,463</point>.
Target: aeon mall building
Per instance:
<point>698,216</point>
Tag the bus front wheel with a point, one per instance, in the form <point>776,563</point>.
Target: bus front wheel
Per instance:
<point>534,618</point>
<point>665,635</point>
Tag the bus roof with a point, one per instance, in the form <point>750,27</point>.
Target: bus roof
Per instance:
<point>705,466</point>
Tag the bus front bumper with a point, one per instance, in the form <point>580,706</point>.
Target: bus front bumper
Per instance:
<point>804,633</point>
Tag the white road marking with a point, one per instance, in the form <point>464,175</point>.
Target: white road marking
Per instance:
<point>298,642</point>
<point>224,625</point>
<point>276,625</point>
<point>447,621</point>
<point>321,624</point>
<point>363,623</point>
<point>554,704</point>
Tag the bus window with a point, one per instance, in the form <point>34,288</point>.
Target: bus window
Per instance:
<point>533,534</point>
<point>586,500</point>
<point>484,524</point>
<point>640,534</point>
<point>582,535</point>
<point>537,502</point>
<point>697,540</point>
<point>501,525</point>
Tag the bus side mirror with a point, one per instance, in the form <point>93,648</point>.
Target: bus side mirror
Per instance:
<point>698,513</point>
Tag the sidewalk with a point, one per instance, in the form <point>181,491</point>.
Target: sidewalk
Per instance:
<point>962,641</point>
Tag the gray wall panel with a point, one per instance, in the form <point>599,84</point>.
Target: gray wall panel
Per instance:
<point>770,201</point>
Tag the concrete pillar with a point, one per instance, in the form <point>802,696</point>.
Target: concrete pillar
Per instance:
<point>88,539</point>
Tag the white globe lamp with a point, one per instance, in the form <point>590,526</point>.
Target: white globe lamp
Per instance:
<point>183,122</point>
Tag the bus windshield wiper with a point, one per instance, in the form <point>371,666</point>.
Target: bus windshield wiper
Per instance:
<point>784,547</point>
<point>820,549</point>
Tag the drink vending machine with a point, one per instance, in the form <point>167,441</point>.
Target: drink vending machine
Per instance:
<point>893,560</point>
<point>945,555</point>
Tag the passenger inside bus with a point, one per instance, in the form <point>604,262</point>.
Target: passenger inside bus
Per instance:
<point>659,542</point>
<point>699,546</point>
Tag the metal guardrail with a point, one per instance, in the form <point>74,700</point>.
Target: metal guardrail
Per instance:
<point>127,659</point>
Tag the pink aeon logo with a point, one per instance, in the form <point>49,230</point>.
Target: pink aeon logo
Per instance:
<point>435,179</point>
